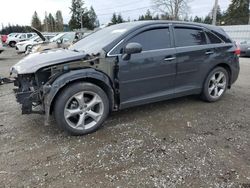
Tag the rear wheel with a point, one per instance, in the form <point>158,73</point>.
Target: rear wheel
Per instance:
<point>81,108</point>
<point>215,85</point>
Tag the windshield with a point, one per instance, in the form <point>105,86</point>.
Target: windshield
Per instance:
<point>57,37</point>
<point>94,42</point>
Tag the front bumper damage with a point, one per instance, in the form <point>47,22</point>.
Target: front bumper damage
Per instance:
<point>28,96</point>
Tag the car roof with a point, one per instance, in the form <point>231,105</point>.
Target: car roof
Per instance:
<point>152,22</point>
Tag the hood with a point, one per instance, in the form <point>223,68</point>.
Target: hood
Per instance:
<point>38,33</point>
<point>33,62</point>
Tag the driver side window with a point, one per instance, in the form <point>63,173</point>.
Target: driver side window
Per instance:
<point>154,39</point>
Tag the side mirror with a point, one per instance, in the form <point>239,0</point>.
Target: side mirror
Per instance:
<point>131,48</point>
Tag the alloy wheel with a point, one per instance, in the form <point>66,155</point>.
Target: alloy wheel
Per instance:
<point>84,110</point>
<point>217,85</point>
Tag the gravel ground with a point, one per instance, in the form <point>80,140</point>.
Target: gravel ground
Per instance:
<point>179,143</point>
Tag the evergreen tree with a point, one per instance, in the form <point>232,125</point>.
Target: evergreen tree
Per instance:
<point>15,29</point>
<point>198,19</point>
<point>141,18</point>
<point>45,23</point>
<point>148,15</point>
<point>78,14</point>
<point>120,19</point>
<point>51,23</point>
<point>93,21</point>
<point>237,13</point>
<point>208,20</point>
<point>36,22</point>
<point>59,21</point>
<point>114,19</point>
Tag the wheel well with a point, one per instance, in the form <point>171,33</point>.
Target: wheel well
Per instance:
<point>97,82</point>
<point>26,48</point>
<point>228,69</point>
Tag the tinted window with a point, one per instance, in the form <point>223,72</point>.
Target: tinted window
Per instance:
<point>189,37</point>
<point>213,39</point>
<point>153,39</point>
<point>30,35</point>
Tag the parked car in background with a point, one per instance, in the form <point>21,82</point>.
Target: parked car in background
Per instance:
<point>245,49</point>
<point>1,47</point>
<point>22,47</point>
<point>11,41</point>
<point>4,38</point>
<point>13,34</point>
<point>62,40</point>
<point>126,65</point>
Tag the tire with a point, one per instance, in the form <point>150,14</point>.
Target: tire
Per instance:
<point>27,47</point>
<point>12,44</point>
<point>215,85</point>
<point>77,116</point>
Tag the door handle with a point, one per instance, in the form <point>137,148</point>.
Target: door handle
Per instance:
<point>210,52</point>
<point>169,58</point>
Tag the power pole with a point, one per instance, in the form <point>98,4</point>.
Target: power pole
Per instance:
<point>249,11</point>
<point>215,12</point>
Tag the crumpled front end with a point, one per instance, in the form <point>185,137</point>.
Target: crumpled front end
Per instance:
<point>28,94</point>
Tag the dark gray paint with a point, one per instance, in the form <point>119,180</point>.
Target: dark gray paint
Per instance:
<point>146,77</point>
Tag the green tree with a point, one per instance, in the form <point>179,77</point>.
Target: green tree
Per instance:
<point>78,12</point>
<point>237,13</point>
<point>45,22</point>
<point>198,19</point>
<point>36,22</point>
<point>51,23</point>
<point>141,18</point>
<point>148,15</point>
<point>93,21</point>
<point>114,19</point>
<point>208,20</point>
<point>120,19</point>
<point>59,21</point>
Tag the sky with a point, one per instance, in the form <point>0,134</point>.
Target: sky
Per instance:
<point>21,11</point>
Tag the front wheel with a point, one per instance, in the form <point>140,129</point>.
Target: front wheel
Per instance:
<point>81,108</point>
<point>215,85</point>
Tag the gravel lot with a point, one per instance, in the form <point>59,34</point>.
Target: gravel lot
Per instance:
<point>179,143</point>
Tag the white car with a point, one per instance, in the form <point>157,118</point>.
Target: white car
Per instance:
<point>12,40</point>
<point>1,46</point>
<point>22,47</point>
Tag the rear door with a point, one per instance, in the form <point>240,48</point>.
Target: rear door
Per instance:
<point>193,55</point>
<point>148,76</point>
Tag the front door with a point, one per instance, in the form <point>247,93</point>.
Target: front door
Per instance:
<point>148,76</point>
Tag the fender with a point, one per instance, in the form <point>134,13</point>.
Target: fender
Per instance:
<point>51,90</point>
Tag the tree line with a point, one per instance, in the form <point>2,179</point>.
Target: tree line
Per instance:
<point>50,23</point>
<point>82,17</point>
<point>237,13</point>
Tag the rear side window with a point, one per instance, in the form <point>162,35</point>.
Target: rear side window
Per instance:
<point>213,39</point>
<point>153,39</point>
<point>189,37</point>
<point>29,35</point>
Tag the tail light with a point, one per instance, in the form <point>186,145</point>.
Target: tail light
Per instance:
<point>237,51</point>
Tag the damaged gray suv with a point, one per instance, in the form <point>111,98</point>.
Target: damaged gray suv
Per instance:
<point>123,66</point>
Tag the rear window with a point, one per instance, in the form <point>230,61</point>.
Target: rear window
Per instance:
<point>223,36</point>
<point>189,37</point>
<point>213,39</point>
